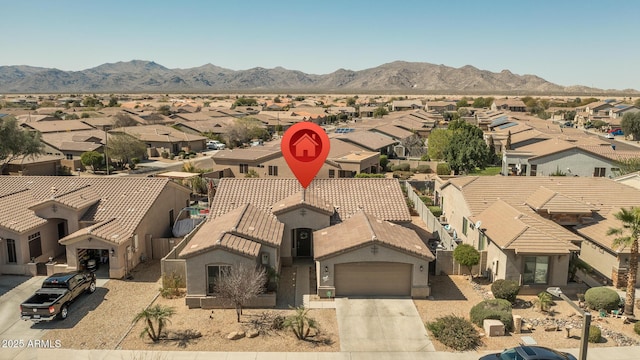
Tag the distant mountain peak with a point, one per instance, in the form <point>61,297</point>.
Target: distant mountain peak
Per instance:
<point>149,76</point>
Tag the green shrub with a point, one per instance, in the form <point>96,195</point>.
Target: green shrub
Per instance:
<point>505,289</point>
<point>443,169</point>
<point>455,332</point>
<point>423,169</point>
<point>435,210</point>
<point>602,298</point>
<point>401,167</point>
<point>594,334</point>
<point>164,155</point>
<point>402,175</point>
<point>636,327</point>
<point>498,309</point>
<point>426,200</point>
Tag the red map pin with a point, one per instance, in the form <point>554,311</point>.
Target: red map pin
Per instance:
<point>305,147</point>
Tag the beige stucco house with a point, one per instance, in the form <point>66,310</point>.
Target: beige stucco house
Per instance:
<point>76,218</point>
<point>529,228</point>
<point>350,229</point>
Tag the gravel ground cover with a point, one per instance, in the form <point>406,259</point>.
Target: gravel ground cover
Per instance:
<point>456,295</point>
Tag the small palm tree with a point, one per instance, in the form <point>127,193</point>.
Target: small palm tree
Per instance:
<point>544,301</point>
<point>300,323</point>
<point>157,315</point>
<point>628,236</point>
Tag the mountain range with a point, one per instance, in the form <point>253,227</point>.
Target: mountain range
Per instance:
<point>398,76</point>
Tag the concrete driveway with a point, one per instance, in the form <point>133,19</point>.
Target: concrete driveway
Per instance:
<point>388,325</point>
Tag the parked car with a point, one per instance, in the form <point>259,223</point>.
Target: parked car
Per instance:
<point>609,136</point>
<point>524,352</point>
<point>215,145</point>
<point>617,132</point>
<point>58,291</point>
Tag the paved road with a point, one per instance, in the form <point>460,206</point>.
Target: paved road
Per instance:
<point>388,325</point>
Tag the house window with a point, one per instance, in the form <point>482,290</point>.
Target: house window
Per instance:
<point>11,251</point>
<point>273,170</point>
<point>332,174</point>
<point>534,170</point>
<point>482,241</point>
<point>215,272</point>
<point>35,245</point>
<point>465,225</point>
<point>345,174</point>
<point>536,270</point>
<point>599,172</point>
<point>244,168</point>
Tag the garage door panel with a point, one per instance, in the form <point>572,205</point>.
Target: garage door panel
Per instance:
<point>373,279</point>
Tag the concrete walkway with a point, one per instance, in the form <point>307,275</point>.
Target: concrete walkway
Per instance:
<point>386,325</point>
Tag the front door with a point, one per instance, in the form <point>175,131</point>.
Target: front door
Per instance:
<point>303,242</point>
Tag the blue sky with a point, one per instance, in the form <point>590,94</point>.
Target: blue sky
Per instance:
<point>568,42</point>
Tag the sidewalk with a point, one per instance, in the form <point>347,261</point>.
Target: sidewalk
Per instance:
<point>609,353</point>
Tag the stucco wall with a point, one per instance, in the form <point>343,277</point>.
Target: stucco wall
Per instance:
<point>197,269</point>
<point>419,279</point>
<point>293,220</point>
<point>602,261</point>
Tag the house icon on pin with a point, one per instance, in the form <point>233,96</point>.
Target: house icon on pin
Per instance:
<point>305,146</point>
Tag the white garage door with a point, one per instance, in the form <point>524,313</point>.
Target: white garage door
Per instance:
<point>373,279</point>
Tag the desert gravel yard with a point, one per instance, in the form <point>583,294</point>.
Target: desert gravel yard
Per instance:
<point>456,295</point>
<point>99,320</point>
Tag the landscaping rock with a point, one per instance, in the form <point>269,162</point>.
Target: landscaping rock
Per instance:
<point>252,333</point>
<point>235,335</point>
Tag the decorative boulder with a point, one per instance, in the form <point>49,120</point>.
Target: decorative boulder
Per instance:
<point>235,335</point>
<point>252,333</point>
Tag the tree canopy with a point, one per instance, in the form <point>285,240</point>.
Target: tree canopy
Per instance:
<point>244,130</point>
<point>241,283</point>
<point>380,111</point>
<point>243,101</point>
<point>437,142</point>
<point>630,124</point>
<point>466,149</point>
<point>16,142</point>
<point>124,148</point>
<point>466,255</point>
<point>92,158</point>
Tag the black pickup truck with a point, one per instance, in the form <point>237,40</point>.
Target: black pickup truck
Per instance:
<point>57,292</point>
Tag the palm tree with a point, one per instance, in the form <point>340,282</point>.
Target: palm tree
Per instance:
<point>300,323</point>
<point>157,314</point>
<point>628,236</point>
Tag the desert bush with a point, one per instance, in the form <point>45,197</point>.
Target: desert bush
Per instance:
<point>505,289</point>
<point>443,169</point>
<point>402,175</point>
<point>423,169</point>
<point>636,327</point>
<point>455,332</point>
<point>164,154</point>
<point>594,334</point>
<point>401,167</point>
<point>435,210</point>
<point>602,298</point>
<point>544,301</point>
<point>172,285</point>
<point>498,309</point>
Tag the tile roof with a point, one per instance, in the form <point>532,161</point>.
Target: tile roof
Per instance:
<point>602,195</point>
<point>368,140</point>
<point>382,198</point>
<point>300,199</point>
<point>363,229</point>
<point>393,131</point>
<point>158,133</point>
<point>114,205</point>
<point>524,231</point>
<point>554,203</point>
<point>241,230</point>
<point>69,140</point>
<point>58,126</point>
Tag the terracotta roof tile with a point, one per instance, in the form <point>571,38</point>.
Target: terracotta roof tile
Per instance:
<point>300,199</point>
<point>122,202</point>
<point>362,229</point>
<point>524,231</point>
<point>382,198</point>
<point>241,230</point>
<point>552,202</point>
